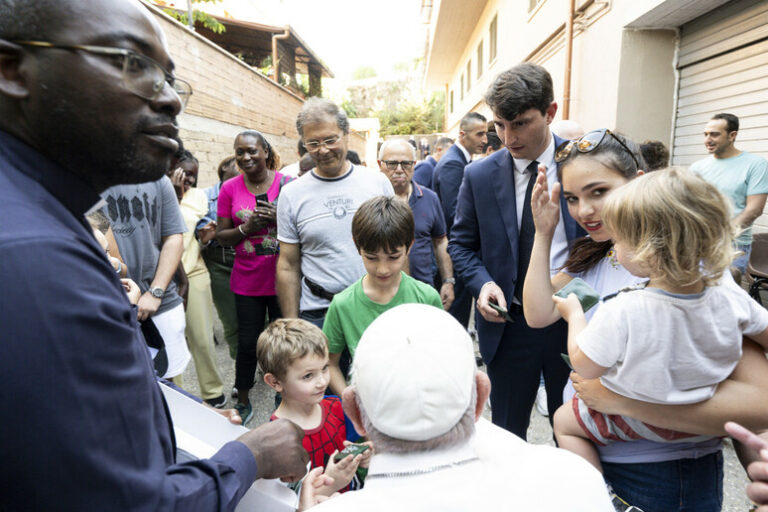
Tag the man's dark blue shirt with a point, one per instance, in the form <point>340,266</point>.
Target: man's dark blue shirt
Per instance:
<point>428,224</point>
<point>95,433</point>
<point>422,172</point>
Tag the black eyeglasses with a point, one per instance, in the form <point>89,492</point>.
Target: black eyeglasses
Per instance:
<point>589,142</point>
<point>405,164</point>
<point>142,75</point>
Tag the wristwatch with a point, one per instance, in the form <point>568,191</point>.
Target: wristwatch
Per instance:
<point>157,292</point>
<point>449,280</point>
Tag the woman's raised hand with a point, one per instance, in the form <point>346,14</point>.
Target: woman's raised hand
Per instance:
<point>545,207</point>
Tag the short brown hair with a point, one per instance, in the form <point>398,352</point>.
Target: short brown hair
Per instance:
<point>520,89</point>
<point>382,223</point>
<point>284,341</point>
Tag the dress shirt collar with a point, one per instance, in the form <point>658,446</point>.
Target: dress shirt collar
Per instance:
<point>416,189</point>
<point>467,156</point>
<point>547,157</point>
<point>383,463</point>
<point>74,193</point>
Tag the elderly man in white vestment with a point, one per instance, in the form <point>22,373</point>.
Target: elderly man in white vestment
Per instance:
<point>417,394</point>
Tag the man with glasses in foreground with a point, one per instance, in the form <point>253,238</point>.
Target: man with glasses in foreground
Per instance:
<point>396,161</point>
<point>87,101</point>
<point>314,216</point>
<point>491,243</point>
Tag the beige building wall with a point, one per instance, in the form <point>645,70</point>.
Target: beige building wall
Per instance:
<point>228,97</point>
<point>621,78</point>
<point>646,89</point>
<point>367,128</point>
<point>357,142</point>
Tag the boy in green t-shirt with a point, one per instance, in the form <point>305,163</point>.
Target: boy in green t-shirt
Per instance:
<point>382,229</point>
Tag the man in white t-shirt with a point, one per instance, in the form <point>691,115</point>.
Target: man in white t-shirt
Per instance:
<point>416,393</point>
<point>318,257</point>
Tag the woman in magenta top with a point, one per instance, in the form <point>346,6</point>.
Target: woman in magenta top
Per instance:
<point>251,227</point>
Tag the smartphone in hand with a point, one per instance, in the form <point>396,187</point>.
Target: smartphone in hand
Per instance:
<point>261,197</point>
<point>587,296</point>
<point>501,311</point>
<point>352,449</point>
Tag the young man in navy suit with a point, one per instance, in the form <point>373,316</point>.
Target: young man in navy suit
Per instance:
<point>446,180</point>
<point>491,243</point>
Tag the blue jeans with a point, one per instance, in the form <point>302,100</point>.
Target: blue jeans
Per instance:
<point>314,316</point>
<point>740,262</point>
<point>683,485</point>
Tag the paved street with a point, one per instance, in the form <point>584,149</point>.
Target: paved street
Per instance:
<point>262,398</point>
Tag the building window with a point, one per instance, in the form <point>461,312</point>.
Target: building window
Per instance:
<point>451,102</point>
<point>479,59</point>
<point>492,39</point>
<point>469,74</point>
<point>462,87</point>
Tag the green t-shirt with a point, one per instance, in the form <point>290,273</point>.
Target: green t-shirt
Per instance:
<point>351,311</point>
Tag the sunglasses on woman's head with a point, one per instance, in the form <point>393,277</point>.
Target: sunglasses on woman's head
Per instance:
<point>589,142</point>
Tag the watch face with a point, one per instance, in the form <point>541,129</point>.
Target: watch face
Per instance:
<point>157,292</point>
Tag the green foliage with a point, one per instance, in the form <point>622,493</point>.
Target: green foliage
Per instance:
<point>266,65</point>
<point>363,72</point>
<point>303,84</point>
<point>399,103</point>
<point>205,19</point>
<point>414,117</point>
<point>350,108</point>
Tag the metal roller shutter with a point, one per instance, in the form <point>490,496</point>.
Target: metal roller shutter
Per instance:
<point>723,63</point>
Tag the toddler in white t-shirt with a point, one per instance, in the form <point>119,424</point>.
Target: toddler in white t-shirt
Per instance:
<point>673,341</point>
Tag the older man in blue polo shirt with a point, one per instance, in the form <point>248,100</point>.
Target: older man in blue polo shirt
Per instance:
<point>396,161</point>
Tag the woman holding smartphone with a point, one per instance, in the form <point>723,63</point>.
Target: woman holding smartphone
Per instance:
<point>247,221</point>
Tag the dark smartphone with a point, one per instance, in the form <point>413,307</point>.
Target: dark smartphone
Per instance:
<point>351,449</point>
<point>501,311</point>
<point>261,197</point>
<point>587,296</point>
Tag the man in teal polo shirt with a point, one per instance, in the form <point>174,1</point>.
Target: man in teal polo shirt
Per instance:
<point>739,175</point>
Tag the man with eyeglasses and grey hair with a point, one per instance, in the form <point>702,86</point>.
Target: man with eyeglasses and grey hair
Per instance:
<point>318,257</point>
<point>88,100</point>
<point>417,394</point>
<point>396,161</point>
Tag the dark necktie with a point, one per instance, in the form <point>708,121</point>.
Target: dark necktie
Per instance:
<point>527,232</point>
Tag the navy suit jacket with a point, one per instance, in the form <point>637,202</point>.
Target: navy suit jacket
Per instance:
<point>483,242</point>
<point>446,181</point>
<point>422,172</point>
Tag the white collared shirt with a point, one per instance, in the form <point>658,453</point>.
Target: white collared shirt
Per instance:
<point>464,150</point>
<point>559,251</point>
